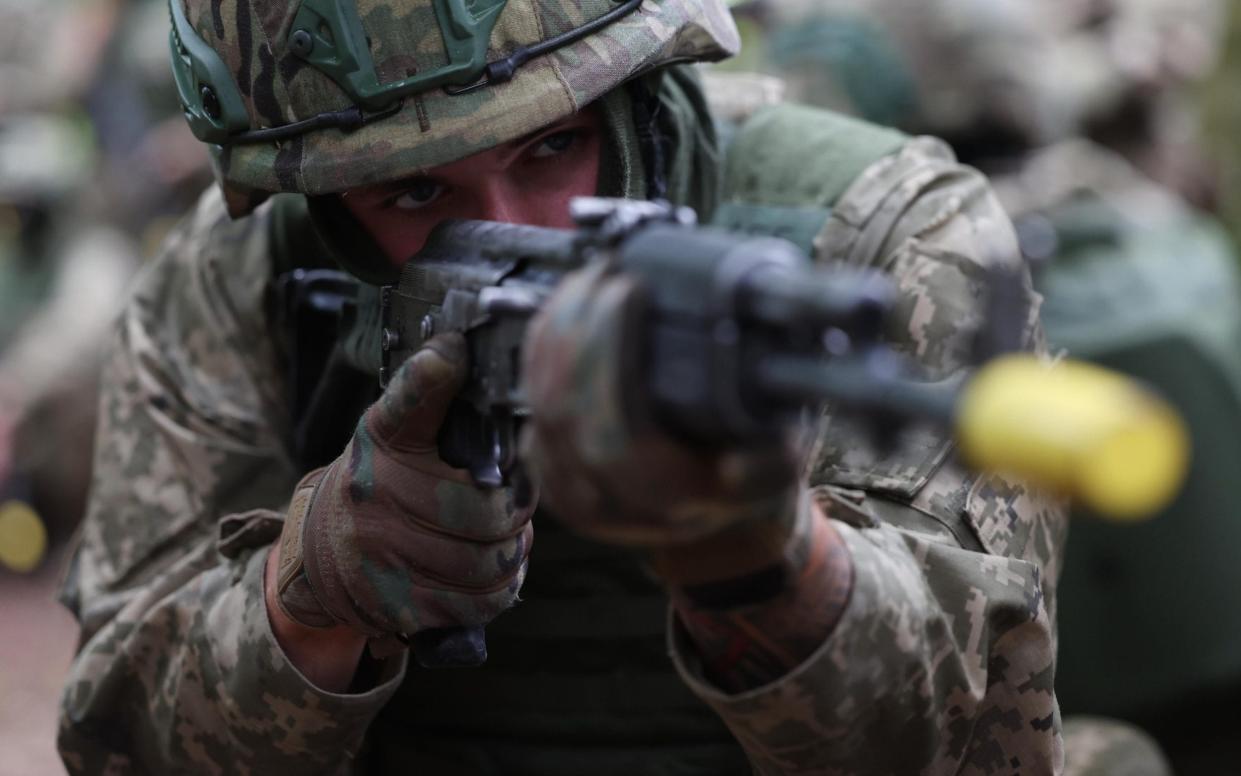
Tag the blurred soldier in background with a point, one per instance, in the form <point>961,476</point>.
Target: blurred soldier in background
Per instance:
<point>1129,63</point>
<point>90,176</point>
<point>1078,111</point>
<point>59,286</point>
<point>95,162</point>
<point>152,169</point>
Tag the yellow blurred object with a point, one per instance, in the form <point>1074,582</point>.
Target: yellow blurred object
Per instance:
<point>23,539</point>
<point>1089,432</point>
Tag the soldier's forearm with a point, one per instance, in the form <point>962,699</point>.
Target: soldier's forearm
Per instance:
<point>328,657</point>
<point>749,647</point>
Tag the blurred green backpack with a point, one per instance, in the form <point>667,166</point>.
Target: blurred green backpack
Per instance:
<point>1150,614</point>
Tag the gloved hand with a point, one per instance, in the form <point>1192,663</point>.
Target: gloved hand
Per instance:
<point>607,470</point>
<point>388,539</point>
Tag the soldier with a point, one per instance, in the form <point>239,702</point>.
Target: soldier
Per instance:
<point>61,280</point>
<point>72,204</point>
<point>1076,109</point>
<point>1140,276</point>
<point>1136,66</point>
<point>850,615</point>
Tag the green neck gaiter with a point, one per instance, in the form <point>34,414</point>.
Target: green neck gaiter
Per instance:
<point>684,131</point>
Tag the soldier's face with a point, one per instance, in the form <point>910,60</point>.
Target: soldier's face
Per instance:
<point>527,181</point>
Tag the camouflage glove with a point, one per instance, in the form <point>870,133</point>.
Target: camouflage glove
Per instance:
<point>605,467</point>
<point>389,539</point>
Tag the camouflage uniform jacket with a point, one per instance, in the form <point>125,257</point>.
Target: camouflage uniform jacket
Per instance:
<point>942,663</point>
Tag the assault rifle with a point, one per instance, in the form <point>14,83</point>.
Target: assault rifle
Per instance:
<point>739,331</point>
<point>744,336</point>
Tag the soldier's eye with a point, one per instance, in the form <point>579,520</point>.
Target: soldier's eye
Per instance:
<point>556,143</point>
<point>418,194</point>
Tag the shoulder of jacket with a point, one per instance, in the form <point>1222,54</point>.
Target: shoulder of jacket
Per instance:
<point>212,271</point>
<point>208,236</point>
<point>869,177</point>
<point>734,97</point>
<point>793,155</point>
<point>909,193</point>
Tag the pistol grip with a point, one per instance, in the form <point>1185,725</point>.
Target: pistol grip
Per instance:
<point>472,441</point>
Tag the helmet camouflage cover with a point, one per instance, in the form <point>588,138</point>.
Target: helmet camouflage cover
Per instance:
<point>320,96</point>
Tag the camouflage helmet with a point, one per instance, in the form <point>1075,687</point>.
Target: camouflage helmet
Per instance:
<point>1035,71</point>
<point>1169,41</point>
<point>1111,49</point>
<point>320,96</point>
<point>938,66</point>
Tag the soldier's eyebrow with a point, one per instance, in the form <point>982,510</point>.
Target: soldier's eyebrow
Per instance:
<point>567,123</point>
<point>402,184</point>
<point>511,149</point>
<point>514,149</point>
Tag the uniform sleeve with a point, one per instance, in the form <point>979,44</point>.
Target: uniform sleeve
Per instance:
<point>177,669</point>
<point>944,658</point>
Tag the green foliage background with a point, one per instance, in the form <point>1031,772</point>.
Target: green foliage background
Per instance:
<point>1221,97</point>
